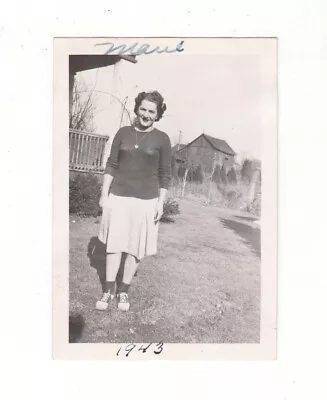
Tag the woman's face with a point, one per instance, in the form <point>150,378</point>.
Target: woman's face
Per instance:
<point>147,114</point>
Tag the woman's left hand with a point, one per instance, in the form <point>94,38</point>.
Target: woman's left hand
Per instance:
<point>158,212</point>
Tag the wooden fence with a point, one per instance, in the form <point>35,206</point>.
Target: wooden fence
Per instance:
<point>86,151</point>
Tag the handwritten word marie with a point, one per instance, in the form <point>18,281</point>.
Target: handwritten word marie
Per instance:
<point>137,49</point>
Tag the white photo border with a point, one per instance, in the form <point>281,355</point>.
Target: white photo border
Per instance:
<point>266,48</point>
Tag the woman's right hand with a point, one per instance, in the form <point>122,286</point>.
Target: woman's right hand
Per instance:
<point>103,200</point>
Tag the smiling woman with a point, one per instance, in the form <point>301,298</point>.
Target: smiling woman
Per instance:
<point>137,175</point>
<point>207,278</point>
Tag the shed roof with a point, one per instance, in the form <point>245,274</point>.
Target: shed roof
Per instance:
<point>220,145</point>
<point>217,144</point>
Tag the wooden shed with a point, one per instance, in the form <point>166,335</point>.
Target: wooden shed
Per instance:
<point>206,151</point>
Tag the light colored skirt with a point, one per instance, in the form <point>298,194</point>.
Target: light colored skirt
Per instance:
<point>127,226</point>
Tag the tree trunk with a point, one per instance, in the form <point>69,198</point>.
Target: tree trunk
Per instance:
<point>184,181</point>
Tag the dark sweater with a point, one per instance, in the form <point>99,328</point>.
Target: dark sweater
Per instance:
<point>139,172</point>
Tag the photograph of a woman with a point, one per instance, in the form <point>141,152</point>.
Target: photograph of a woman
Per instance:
<point>165,193</point>
<point>134,189</point>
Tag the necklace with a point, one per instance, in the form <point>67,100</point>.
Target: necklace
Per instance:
<point>136,146</point>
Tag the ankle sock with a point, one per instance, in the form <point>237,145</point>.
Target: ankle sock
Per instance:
<point>123,288</point>
<point>110,285</point>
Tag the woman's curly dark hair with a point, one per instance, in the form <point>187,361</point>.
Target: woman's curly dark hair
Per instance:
<point>154,97</point>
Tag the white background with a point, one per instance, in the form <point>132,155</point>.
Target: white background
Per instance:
<point>26,32</point>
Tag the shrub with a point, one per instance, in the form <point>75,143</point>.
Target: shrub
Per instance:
<point>190,174</point>
<point>231,176</point>
<point>223,176</point>
<point>216,175</point>
<point>229,196</point>
<point>171,207</point>
<point>174,167</point>
<point>181,171</point>
<point>233,197</point>
<point>247,170</point>
<point>198,175</point>
<point>255,207</point>
<point>193,174</point>
<point>84,195</point>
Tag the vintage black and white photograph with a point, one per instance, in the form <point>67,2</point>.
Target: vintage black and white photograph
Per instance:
<point>165,227</point>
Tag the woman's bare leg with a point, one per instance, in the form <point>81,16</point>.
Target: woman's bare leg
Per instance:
<point>131,265</point>
<point>112,266</point>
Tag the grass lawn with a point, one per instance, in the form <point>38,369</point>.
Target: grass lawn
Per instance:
<point>202,286</point>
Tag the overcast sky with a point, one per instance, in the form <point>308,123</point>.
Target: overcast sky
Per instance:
<point>217,95</point>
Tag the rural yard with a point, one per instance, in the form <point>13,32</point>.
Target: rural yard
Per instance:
<point>203,286</point>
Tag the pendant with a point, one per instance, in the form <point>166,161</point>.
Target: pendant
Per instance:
<point>136,146</point>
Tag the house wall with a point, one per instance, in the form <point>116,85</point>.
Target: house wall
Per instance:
<point>198,153</point>
<point>228,161</point>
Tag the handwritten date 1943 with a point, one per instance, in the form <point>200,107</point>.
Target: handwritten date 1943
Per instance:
<point>156,347</point>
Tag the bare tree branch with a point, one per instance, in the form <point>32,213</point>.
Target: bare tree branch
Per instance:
<point>83,108</point>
